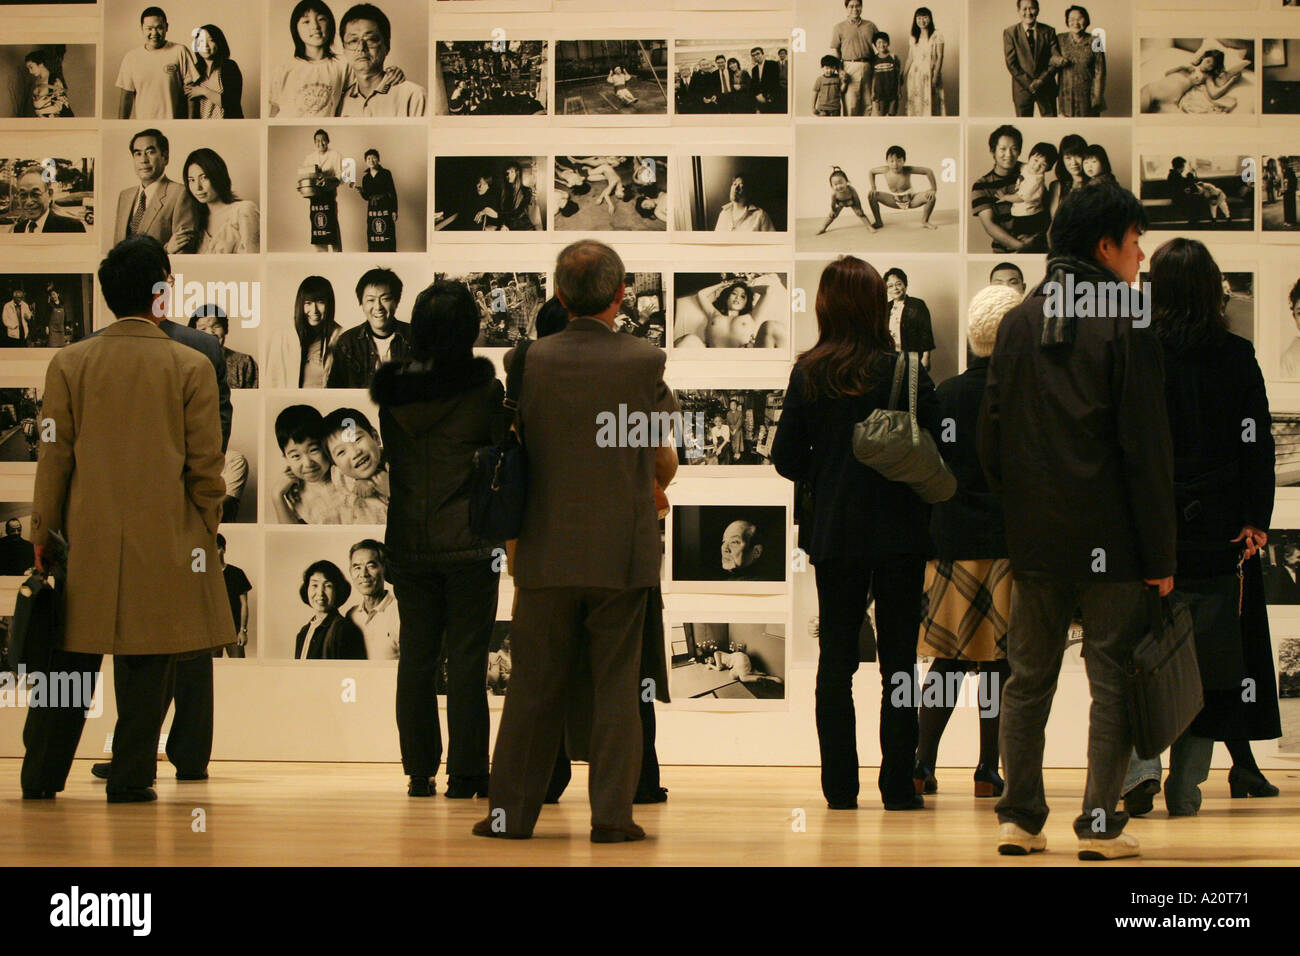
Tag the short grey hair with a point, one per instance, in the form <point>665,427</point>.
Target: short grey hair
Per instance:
<point>588,275</point>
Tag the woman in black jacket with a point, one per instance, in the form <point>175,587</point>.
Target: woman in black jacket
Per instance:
<point>866,533</point>
<point>328,635</point>
<point>969,582</point>
<point>435,411</point>
<point>1223,487</point>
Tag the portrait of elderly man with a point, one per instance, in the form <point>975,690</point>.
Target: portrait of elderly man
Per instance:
<point>744,556</point>
<point>157,206</point>
<point>376,611</point>
<point>367,40</point>
<point>35,207</point>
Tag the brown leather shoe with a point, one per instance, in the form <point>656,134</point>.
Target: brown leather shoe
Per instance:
<point>617,834</point>
<point>484,829</point>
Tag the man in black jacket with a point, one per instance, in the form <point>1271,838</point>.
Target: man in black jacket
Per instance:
<point>381,338</point>
<point>1074,436</point>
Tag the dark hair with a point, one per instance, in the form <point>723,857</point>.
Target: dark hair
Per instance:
<point>1086,216</point>
<point>853,328</point>
<point>49,61</point>
<point>552,317</point>
<point>322,8</point>
<point>368,11</point>
<point>370,544</point>
<point>379,276</point>
<point>836,171</point>
<point>210,311</point>
<point>163,146</point>
<point>757,49</point>
<point>732,60</point>
<point>1087,20</point>
<point>896,151</point>
<point>298,423</point>
<point>916,31</point>
<point>153,12</point>
<point>1099,153</point>
<point>129,272</point>
<point>220,48</point>
<point>1047,151</point>
<point>214,167</point>
<point>314,289</point>
<point>1006,265</point>
<point>1186,295</point>
<point>1071,144</point>
<point>444,323</point>
<point>1006,129</point>
<point>1295,293</point>
<point>587,277</point>
<point>880,35</point>
<point>342,589</point>
<point>1178,162</point>
<point>371,152</point>
<point>221,540</point>
<point>1217,56</point>
<point>337,421</point>
<point>902,276</point>
<point>321,132</point>
<point>831,60</point>
<point>720,303</point>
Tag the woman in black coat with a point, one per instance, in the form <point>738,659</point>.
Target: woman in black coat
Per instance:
<point>865,533</point>
<point>435,411</point>
<point>1223,486</point>
<point>328,635</point>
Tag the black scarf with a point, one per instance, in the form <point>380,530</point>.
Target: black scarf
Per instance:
<point>1060,329</point>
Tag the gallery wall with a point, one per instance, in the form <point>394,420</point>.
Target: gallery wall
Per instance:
<point>526,141</point>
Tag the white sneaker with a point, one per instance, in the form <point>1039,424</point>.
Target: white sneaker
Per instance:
<point>1015,840</point>
<point>1124,845</point>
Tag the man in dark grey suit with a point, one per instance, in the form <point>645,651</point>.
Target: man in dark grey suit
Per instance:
<point>1033,56</point>
<point>592,410</point>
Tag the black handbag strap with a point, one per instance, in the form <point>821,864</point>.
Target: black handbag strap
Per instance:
<point>515,376</point>
<point>1155,611</point>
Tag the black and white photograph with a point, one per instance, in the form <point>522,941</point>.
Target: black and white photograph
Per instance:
<point>1279,182</point>
<point>731,548</point>
<point>1199,193</point>
<point>17,554</point>
<point>329,597</point>
<point>1238,298</point>
<point>732,310</point>
<point>47,195</point>
<point>324,462</point>
<point>20,412</point>
<point>328,321</point>
<point>1281,558</point>
<point>340,59</point>
<point>731,77</point>
<point>895,190</point>
<point>1288,324</point>
<point>610,193</point>
<point>734,661</point>
<point>611,78</point>
<point>1288,676</point>
<point>1286,451</point>
<point>180,60</point>
<point>507,303</point>
<point>1034,165</point>
<point>866,59</point>
<point>729,195</point>
<point>47,80</point>
<point>1198,76</point>
<point>489,193</point>
<point>644,312</point>
<point>498,666</point>
<point>347,188</point>
<point>240,552</point>
<point>242,468</point>
<point>1280,59</point>
<point>728,426</point>
<point>490,78</point>
<point>45,309</point>
<point>166,182</point>
<point>1053,58</point>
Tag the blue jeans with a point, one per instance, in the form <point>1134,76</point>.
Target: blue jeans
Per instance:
<point>1189,765</point>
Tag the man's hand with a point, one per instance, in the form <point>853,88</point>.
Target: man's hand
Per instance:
<point>1163,585</point>
<point>1253,538</point>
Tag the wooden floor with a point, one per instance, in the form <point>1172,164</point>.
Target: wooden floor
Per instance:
<point>322,814</point>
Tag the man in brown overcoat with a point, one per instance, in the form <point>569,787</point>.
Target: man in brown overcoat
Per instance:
<point>130,473</point>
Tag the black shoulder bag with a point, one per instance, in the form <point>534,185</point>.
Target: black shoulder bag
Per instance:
<point>1165,693</point>
<point>499,483</point>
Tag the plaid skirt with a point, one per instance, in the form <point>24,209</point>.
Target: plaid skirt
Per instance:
<point>965,610</point>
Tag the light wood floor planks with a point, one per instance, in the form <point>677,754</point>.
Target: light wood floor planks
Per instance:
<point>321,814</point>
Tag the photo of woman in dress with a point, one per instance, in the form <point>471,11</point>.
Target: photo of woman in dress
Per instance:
<point>49,93</point>
<point>327,635</point>
<point>300,356</point>
<point>226,224</point>
<point>1082,80</point>
<point>924,70</point>
<point>318,182</point>
<point>218,91</point>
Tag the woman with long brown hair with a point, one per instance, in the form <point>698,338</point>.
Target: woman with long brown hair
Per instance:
<point>863,533</point>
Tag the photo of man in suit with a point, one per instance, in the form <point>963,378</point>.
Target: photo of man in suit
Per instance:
<point>158,206</point>
<point>35,207</point>
<point>17,556</point>
<point>1282,580</point>
<point>1033,56</point>
<point>765,81</point>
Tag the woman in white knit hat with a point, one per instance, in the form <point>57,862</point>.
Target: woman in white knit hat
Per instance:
<point>968,584</point>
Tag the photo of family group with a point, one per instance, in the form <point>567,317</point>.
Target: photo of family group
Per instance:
<point>1013,204</point>
<point>491,78</point>
<point>45,309</point>
<point>728,426</point>
<point>489,193</point>
<point>731,77</point>
<point>47,195</point>
<point>1199,192</point>
<point>732,310</point>
<point>609,78</point>
<point>876,59</point>
<point>47,80</point>
<point>733,661</point>
<point>169,184</point>
<point>620,193</point>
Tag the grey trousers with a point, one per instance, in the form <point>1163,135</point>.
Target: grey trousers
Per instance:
<point>1114,620</point>
<point>547,622</point>
<point>1189,767</point>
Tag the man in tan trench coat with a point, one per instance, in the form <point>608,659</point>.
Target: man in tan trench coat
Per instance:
<point>130,473</point>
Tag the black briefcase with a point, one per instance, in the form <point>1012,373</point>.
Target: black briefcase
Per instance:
<point>1164,693</point>
<point>37,626</point>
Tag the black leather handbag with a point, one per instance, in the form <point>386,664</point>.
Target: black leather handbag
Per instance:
<point>36,629</point>
<point>1164,693</point>
<point>499,482</point>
